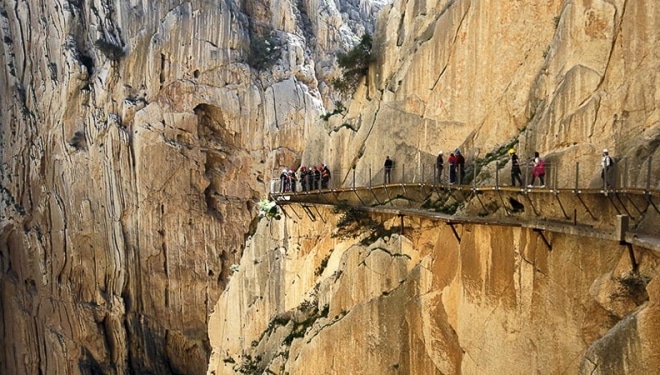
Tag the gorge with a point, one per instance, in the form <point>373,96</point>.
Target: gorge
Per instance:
<point>137,139</point>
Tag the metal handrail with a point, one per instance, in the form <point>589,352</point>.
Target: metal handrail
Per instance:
<point>486,177</point>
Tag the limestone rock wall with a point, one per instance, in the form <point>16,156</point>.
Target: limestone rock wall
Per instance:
<point>136,138</point>
<point>347,293</point>
<point>565,78</point>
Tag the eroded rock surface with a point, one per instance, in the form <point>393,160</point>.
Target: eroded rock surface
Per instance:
<point>137,137</point>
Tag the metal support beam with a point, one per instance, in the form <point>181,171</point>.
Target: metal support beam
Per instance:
<point>585,205</point>
<point>545,240</point>
<point>309,213</point>
<point>623,205</point>
<point>319,213</point>
<point>482,203</point>
<point>632,203</point>
<point>631,255</point>
<point>649,199</point>
<point>506,210</point>
<point>561,205</point>
<point>453,229</point>
<point>402,225</point>
<point>358,197</point>
<point>285,213</point>
<point>531,204</point>
<point>609,196</point>
<point>389,198</point>
<point>294,211</point>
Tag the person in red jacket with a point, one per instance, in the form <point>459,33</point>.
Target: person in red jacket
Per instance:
<point>460,166</point>
<point>452,168</point>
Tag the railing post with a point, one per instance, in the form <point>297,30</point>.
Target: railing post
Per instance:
<point>606,176</point>
<point>497,176</point>
<point>577,175</point>
<point>474,175</point>
<point>526,167</point>
<point>648,176</point>
<point>403,173</point>
<point>555,174</point>
<point>369,176</point>
<point>422,179</point>
<point>624,182</point>
<point>353,178</point>
<point>436,179</point>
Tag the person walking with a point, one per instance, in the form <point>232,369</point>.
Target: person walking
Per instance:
<point>303,178</point>
<point>460,166</point>
<point>452,168</point>
<point>293,180</point>
<point>325,176</point>
<point>515,168</point>
<point>538,170</point>
<point>284,181</point>
<point>606,165</point>
<point>388,170</point>
<point>439,164</point>
<point>317,177</point>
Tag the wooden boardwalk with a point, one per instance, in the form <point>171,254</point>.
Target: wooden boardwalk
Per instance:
<point>609,214</point>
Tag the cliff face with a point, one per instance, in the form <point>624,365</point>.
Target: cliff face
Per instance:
<point>137,137</point>
<point>565,78</point>
<point>345,292</point>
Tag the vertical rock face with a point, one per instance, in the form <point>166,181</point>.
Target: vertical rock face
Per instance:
<point>347,293</point>
<point>135,138</point>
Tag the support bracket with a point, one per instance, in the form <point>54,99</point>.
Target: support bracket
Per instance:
<point>453,229</point>
<point>545,240</point>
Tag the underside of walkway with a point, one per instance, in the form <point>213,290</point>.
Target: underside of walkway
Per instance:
<point>630,216</point>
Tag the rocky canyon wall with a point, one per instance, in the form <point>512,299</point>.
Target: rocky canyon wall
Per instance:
<point>352,292</point>
<point>136,138</point>
<point>565,78</point>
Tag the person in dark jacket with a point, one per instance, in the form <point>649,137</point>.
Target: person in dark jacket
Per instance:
<point>325,176</point>
<point>293,180</point>
<point>317,177</point>
<point>515,168</point>
<point>303,178</point>
<point>439,164</point>
<point>284,181</point>
<point>460,166</point>
<point>388,170</point>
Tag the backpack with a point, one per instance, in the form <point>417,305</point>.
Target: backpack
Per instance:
<point>539,169</point>
<point>611,160</point>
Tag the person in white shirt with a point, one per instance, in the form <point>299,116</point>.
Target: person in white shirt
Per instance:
<point>606,165</point>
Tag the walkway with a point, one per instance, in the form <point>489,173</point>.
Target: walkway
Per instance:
<point>609,214</point>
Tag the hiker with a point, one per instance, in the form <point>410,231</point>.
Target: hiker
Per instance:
<point>607,163</point>
<point>284,181</point>
<point>460,166</point>
<point>303,178</point>
<point>388,169</point>
<point>292,180</point>
<point>317,177</point>
<point>515,168</point>
<point>452,168</point>
<point>538,170</point>
<point>439,164</point>
<point>325,176</point>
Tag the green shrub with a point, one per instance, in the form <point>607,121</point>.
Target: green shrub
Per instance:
<point>354,64</point>
<point>265,50</point>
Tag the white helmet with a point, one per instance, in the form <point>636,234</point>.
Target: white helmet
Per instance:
<point>605,151</point>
